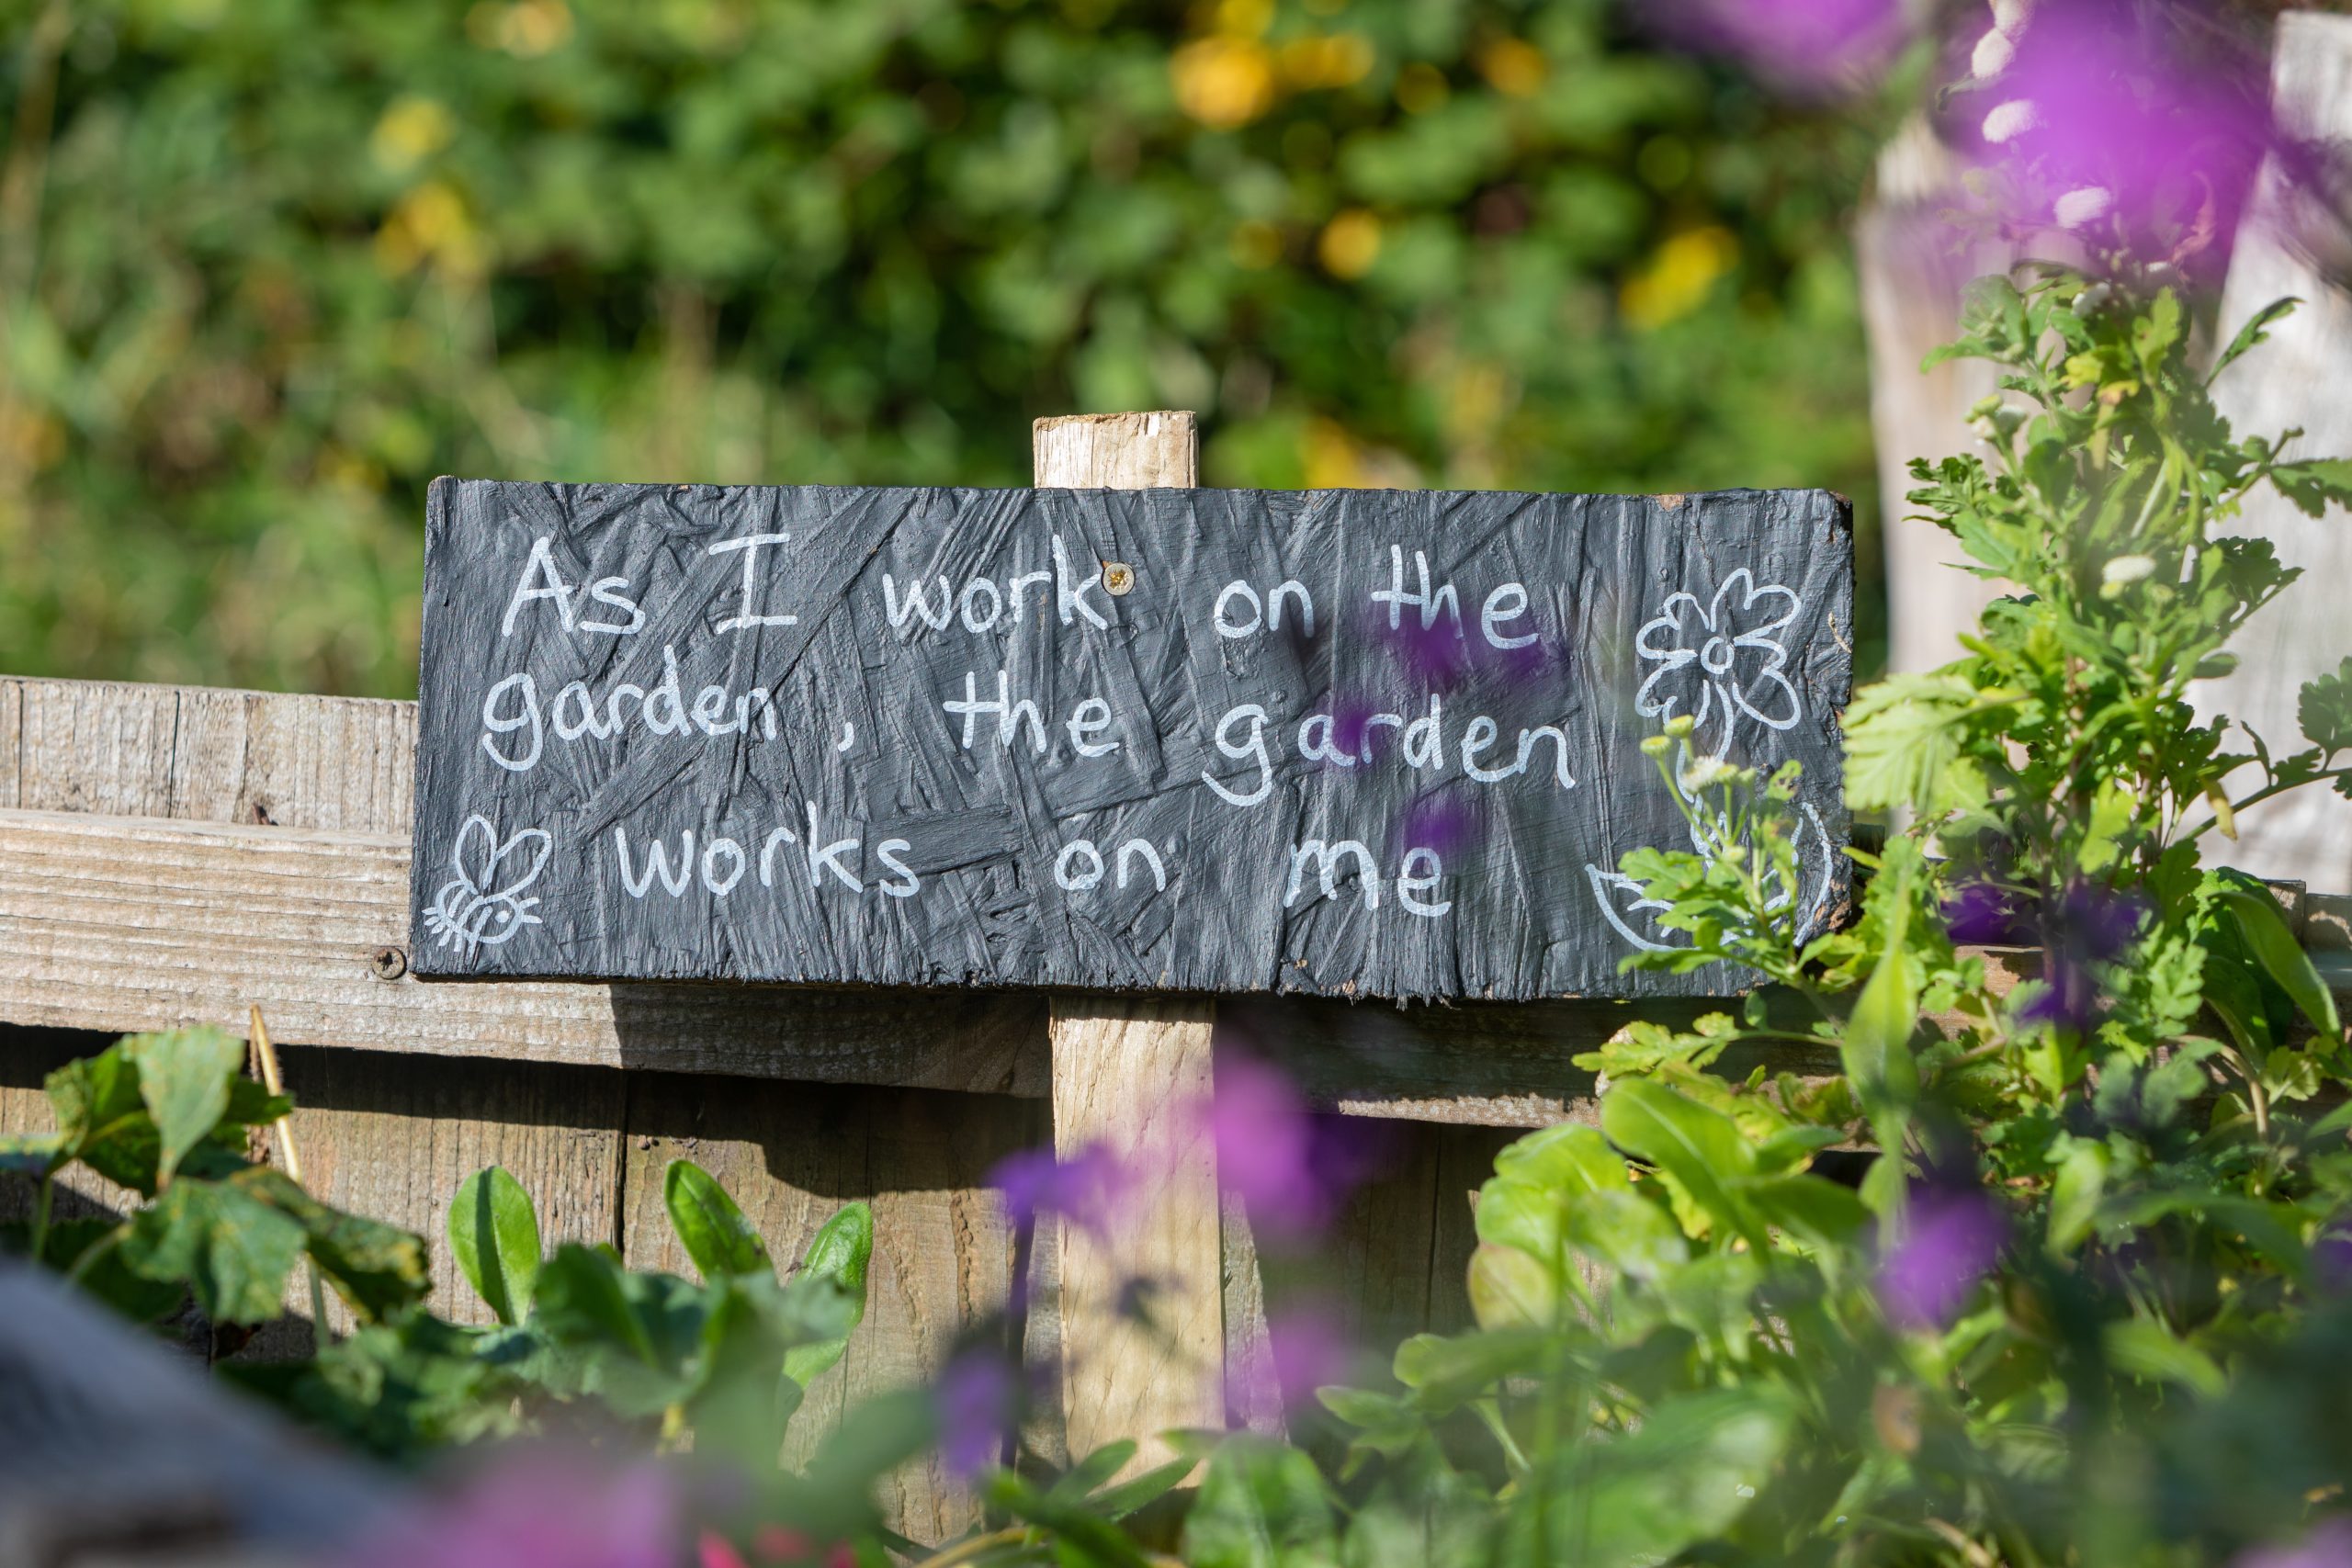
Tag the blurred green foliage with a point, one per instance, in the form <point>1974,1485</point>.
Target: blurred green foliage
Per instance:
<point>269,265</point>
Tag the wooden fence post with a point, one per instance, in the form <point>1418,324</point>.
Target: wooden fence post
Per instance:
<point>1127,1075</point>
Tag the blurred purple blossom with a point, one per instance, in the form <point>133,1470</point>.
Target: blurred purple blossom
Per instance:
<point>1445,823</point>
<point>1089,1188</point>
<point>2132,124</point>
<point>1953,1237</point>
<point>1350,718</point>
<point>1310,1350</point>
<point>2085,929</point>
<point>975,1402</point>
<point>1982,914</point>
<point>539,1509</point>
<point>2328,1545</point>
<point>1807,46</point>
<point>1437,655</point>
<point>1291,1170</point>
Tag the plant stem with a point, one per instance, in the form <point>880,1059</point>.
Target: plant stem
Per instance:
<point>95,1250</point>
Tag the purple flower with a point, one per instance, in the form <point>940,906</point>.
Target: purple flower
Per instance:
<point>976,1402</point>
<point>2084,929</point>
<point>1807,46</point>
<point>2328,1545</point>
<point>1982,914</point>
<point>539,1509</point>
<point>1089,1188</point>
<point>2129,123</point>
<point>1291,1171</point>
<point>1310,1351</point>
<point>1953,1236</point>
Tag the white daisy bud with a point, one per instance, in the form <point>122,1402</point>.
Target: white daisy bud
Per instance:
<point>2082,207</point>
<point>2006,123</point>
<point>2009,16</point>
<point>2123,570</point>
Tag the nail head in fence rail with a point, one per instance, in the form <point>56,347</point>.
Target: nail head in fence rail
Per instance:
<point>1344,742</point>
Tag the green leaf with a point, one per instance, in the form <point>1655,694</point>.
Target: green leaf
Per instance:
<point>31,1154</point>
<point>1875,1046</point>
<point>2323,708</point>
<point>1091,1472</point>
<point>1688,1472</point>
<point>711,1227</point>
<point>494,1235</point>
<point>2263,930</point>
<point>2312,484</point>
<point>1813,1209</point>
<point>101,1119</point>
<point>1905,746</point>
<point>838,1254</point>
<point>104,1274</point>
<point>579,1294</point>
<point>1261,1505</point>
<point>378,1269</point>
<point>184,1079</point>
<point>2074,1194</point>
<point>233,1250</point>
<point>2256,330</point>
<point>1631,1235</point>
<point>1699,1151</point>
<point>1510,1290</point>
<point>1445,1370</point>
<point>1127,1496</point>
<point>2147,1349</point>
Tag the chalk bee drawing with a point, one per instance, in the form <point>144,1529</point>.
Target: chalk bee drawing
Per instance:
<point>1719,662</point>
<point>483,905</point>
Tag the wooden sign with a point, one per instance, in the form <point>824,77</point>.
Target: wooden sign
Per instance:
<point>1369,743</point>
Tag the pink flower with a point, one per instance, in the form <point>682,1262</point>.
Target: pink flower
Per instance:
<point>541,1509</point>
<point>2329,1545</point>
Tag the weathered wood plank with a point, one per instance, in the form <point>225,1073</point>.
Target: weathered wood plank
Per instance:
<point>380,1135</point>
<point>95,745</point>
<point>343,764</point>
<point>123,923</point>
<point>792,1157</point>
<point>1133,1077</point>
<point>12,708</point>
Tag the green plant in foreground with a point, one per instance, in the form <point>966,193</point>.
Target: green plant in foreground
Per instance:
<point>577,1339</point>
<point>2079,1296</point>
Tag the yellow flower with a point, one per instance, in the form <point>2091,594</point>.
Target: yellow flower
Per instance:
<point>1513,67</point>
<point>412,130</point>
<point>1223,82</point>
<point>1348,244</point>
<point>1326,60</point>
<point>1421,88</point>
<point>1255,244</point>
<point>430,224</point>
<point>1676,279</point>
<point>526,30</point>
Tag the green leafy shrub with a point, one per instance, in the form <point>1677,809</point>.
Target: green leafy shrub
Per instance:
<point>578,1339</point>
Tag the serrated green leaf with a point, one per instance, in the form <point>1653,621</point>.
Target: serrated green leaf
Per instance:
<point>2256,330</point>
<point>2323,708</point>
<point>233,1250</point>
<point>1699,1151</point>
<point>378,1269</point>
<point>494,1235</point>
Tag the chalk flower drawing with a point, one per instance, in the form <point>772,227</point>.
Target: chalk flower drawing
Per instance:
<point>483,904</point>
<point>1721,659</point>
<point>1715,662</point>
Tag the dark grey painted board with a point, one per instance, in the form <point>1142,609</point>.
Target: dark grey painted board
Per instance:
<point>651,750</point>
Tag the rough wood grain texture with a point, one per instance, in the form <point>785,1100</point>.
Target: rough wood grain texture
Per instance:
<point>2290,383</point>
<point>792,1157</point>
<point>12,708</point>
<point>390,1137</point>
<point>345,764</point>
<point>1334,742</point>
<point>1134,1076</point>
<point>133,923</point>
<point>96,746</point>
<point>1159,450</point>
<point>112,1449</point>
